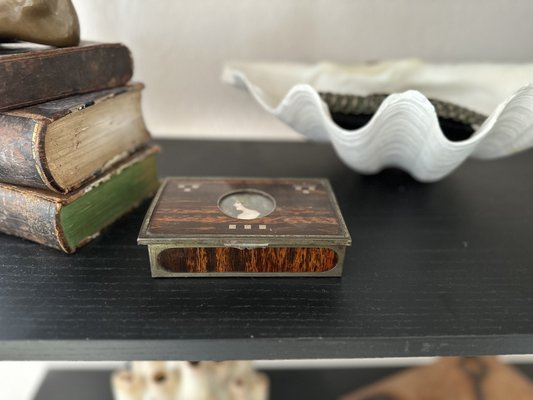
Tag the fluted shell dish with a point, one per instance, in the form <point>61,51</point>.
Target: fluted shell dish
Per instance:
<point>404,131</point>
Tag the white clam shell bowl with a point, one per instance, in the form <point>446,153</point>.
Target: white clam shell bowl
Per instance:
<point>404,132</point>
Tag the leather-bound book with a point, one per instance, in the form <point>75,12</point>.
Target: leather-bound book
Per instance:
<point>36,74</point>
<point>61,144</point>
<point>68,221</point>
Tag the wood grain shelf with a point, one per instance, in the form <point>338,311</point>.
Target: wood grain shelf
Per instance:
<point>434,269</point>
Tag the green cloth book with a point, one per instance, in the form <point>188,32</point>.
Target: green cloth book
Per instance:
<point>68,221</point>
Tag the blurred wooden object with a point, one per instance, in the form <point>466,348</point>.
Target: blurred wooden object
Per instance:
<point>452,378</point>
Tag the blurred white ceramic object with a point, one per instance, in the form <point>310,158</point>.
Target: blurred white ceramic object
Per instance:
<point>181,380</point>
<point>404,132</point>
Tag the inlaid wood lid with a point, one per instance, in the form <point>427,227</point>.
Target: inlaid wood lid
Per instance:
<point>229,211</point>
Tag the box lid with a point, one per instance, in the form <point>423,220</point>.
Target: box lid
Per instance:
<point>235,212</point>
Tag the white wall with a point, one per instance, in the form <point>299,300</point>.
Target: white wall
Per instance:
<point>179,46</point>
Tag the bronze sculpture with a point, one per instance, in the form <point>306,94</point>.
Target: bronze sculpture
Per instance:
<point>49,22</point>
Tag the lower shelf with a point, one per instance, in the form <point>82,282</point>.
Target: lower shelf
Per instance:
<point>309,384</point>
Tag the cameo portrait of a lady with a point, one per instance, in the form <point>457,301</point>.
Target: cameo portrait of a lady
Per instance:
<point>246,204</point>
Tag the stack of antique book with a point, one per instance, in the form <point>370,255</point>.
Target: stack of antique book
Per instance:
<point>74,150</point>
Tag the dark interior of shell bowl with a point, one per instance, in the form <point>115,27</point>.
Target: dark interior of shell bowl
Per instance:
<point>353,112</point>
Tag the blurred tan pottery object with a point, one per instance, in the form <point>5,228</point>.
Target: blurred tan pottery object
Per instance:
<point>451,378</point>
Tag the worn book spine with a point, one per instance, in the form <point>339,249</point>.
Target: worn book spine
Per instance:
<point>30,216</point>
<point>37,76</point>
<point>35,214</point>
<point>22,139</point>
<point>22,159</point>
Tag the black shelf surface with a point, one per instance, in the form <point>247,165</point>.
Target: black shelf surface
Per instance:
<point>309,384</point>
<point>435,269</point>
